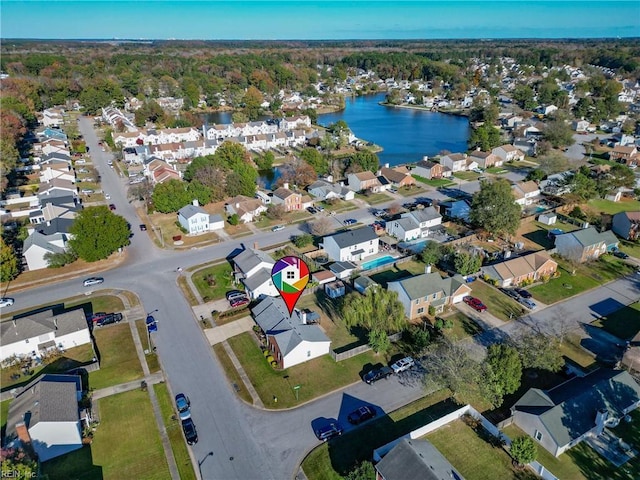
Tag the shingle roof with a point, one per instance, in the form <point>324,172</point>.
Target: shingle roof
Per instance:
<point>425,215</point>
<point>41,323</point>
<point>189,211</point>
<point>354,237</point>
<point>250,258</point>
<point>518,266</point>
<point>427,284</point>
<point>587,236</point>
<point>43,241</point>
<point>258,279</point>
<point>339,267</point>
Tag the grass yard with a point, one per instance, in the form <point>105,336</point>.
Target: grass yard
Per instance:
<point>472,455</point>
<point>572,350</point>
<point>607,206</point>
<point>102,303</point>
<point>118,359</point>
<point>498,304</point>
<point>535,234</point>
<point>588,275</point>
<point>331,321</point>
<point>630,248</point>
<point>333,460</point>
<point>463,326</point>
<point>496,170</point>
<point>174,432</point>
<point>467,175</point>
<point>4,410</point>
<point>374,198</point>
<point>623,323</point>
<point>151,357</point>
<point>126,444</point>
<point>434,182</point>
<point>411,190</point>
<point>221,273</point>
<point>405,269</point>
<point>318,376</point>
<point>232,374</point>
<point>165,225</point>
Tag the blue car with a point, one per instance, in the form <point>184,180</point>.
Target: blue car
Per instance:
<point>183,405</point>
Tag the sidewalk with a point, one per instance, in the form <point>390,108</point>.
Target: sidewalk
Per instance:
<point>127,387</point>
<point>243,375</point>
<point>220,334</point>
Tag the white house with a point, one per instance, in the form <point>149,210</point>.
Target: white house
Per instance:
<point>508,153</point>
<point>52,117</point>
<point>45,414</point>
<point>363,181</point>
<point>525,192</point>
<point>352,245</point>
<point>58,169</point>
<point>43,331</point>
<point>37,245</point>
<point>324,190</point>
<point>253,268</point>
<point>457,162</point>
<point>291,339</point>
<point>415,224</point>
<point>195,219</point>
<point>580,125</point>
<point>246,208</point>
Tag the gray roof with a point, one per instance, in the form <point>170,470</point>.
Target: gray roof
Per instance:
<point>42,241</point>
<point>259,278</point>
<point>272,316</point>
<point>51,398</point>
<point>429,283</point>
<point>34,325</point>
<point>215,218</point>
<point>189,211</point>
<point>416,460</point>
<point>407,223</point>
<point>327,187</point>
<point>426,214</point>
<point>54,226</point>
<point>364,282</point>
<point>353,237</point>
<point>589,236</point>
<point>250,258</point>
<point>569,410</point>
<point>339,267</point>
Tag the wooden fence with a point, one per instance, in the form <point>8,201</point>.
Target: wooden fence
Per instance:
<point>338,357</point>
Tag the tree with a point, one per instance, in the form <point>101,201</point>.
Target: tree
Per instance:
<point>536,175</point>
<point>97,233</point>
<point>503,372</point>
<point>524,96</point>
<point>9,267</point>
<point>242,180</point>
<point>234,219</point>
<point>494,208</point>
<point>303,240</point>
<point>416,338</point>
<point>538,350</point>
<point>316,160</point>
<point>523,450</point>
<point>57,260</point>
<point>265,162</point>
<point>321,227</point>
<point>379,341</point>
<point>364,471</point>
<point>366,160</point>
<point>170,196</point>
<point>486,136</point>
<point>297,172</point>
<point>252,102</point>
<point>466,263</point>
<point>197,191</point>
<point>377,309</point>
<point>432,253</point>
<point>276,212</point>
<point>558,132</point>
<point>553,163</point>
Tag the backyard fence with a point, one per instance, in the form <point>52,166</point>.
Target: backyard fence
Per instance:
<point>352,352</point>
<point>397,261</point>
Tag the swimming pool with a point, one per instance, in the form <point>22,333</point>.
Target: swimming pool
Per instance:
<point>378,262</point>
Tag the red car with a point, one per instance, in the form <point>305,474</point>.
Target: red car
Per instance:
<point>475,303</point>
<point>238,302</point>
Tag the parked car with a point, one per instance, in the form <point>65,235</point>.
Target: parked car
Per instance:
<point>143,227</point>
<point>311,210</point>
<point>377,374</point>
<point>379,213</point>
<point>238,302</point>
<point>86,191</point>
<point>527,303</point>
<point>320,208</point>
<point>362,414</point>
<point>112,206</point>
<point>190,432</point>
<point>6,302</point>
<point>620,254</point>
<point>475,303</point>
<point>238,297</point>
<point>329,431</point>
<point>350,221</point>
<point>97,316</point>
<point>393,190</point>
<point>109,319</point>
<point>92,281</point>
<point>511,293</point>
<point>234,293</point>
<point>522,292</point>
<point>277,228</point>
<point>403,364</point>
<point>183,405</point>
<point>107,196</point>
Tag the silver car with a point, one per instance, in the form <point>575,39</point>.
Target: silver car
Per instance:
<point>92,281</point>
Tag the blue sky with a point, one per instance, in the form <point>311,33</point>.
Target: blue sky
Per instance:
<point>318,19</point>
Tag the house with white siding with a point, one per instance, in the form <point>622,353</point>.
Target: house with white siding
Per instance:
<point>508,153</point>
<point>457,162</point>
<point>252,268</point>
<point>196,220</point>
<point>351,245</point>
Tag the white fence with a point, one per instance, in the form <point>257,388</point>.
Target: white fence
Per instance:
<point>467,409</point>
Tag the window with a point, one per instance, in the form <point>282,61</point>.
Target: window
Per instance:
<point>417,301</point>
<point>435,295</point>
<point>308,353</point>
<point>538,435</point>
<point>370,242</point>
<point>420,310</point>
<point>291,275</point>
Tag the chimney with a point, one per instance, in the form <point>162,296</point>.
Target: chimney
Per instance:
<point>601,419</point>
<point>285,185</point>
<point>303,317</point>
<point>427,269</point>
<point>23,433</point>
<point>195,203</point>
<point>386,165</point>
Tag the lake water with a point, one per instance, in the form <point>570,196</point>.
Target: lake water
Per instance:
<point>406,135</point>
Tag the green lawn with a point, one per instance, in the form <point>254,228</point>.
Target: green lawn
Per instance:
<point>498,304</point>
<point>332,460</point>
<point>337,205</point>
<point>174,432</point>
<point>587,275</point>
<point>126,444</point>
<point>316,377</point>
<point>623,323</point>
<point>374,198</point>
<point>103,303</point>
<point>152,358</point>
<point>496,170</point>
<point>232,374</point>
<point>392,274</point>
<point>463,326</point>
<point>411,190</point>
<point>222,276</point>
<point>434,182</point>
<point>607,206</point>
<point>466,175</point>
<point>99,303</point>
<point>630,248</point>
<point>4,410</point>
<point>473,456</point>
<point>118,359</point>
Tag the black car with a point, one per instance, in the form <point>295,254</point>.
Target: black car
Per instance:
<point>362,414</point>
<point>312,210</point>
<point>109,319</point>
<point>143,227</point>
<point>190,432</point>
<point>329,431</point>
<point>512,293</point>
<point>522,292</point>
<point>377,374</point>
<point>620,254</point>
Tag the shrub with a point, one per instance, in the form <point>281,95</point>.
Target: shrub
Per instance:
<point>303,240</point>
<point>448,323</point>
<point>181,228</point>
<point>439,323</point>
<point>266,353</point>
<point>234,219</point>
<point>431,310</point>
<point>270,359</point>
<point>523,450</point>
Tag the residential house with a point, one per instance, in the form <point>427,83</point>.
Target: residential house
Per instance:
<point>46,417</point>
<point>580,126</point>
<point>398,177</point>
<point>414,224</point>
<point>253,268</point>
<point>627,225</point>
<point>577,410</point>
<point>324,190</point>
<point>323,276</point>
<point>42,332</point>
<point>57,186</point>
<point>351,245</point>
<point>457,162</point>
<point>385,184</point>
<point>584,245</point>
<point>508,153</point>
<point>55,207</point>
<point>37,245</point>
<point>556,184</point>
<point>52,117</point>
<point>528,146</point>
<point>456,209</point>
<point>52,133</point>
<point>420,292</point>
<point>525,192</point>
<point>485,159</point>
<point>515,271</point>
<point>291,339</point>
<point>415,460</point>
<point>343,270</point>
<point>546,109</point>
<point>361,181</point>
<point>292,201</point>
<point>364,283</point>
<point>196,220</point>
<point>627,155</point>
<point>248,209</point>
<point>57,169</point>
<point>431,170</point>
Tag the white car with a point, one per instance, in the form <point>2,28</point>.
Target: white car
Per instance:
<point>403,364</point>
<point>86,191</point>
<point>6,302</point>
<point>107,196</point>
<point>92,281</point>
<point>277,228</point>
